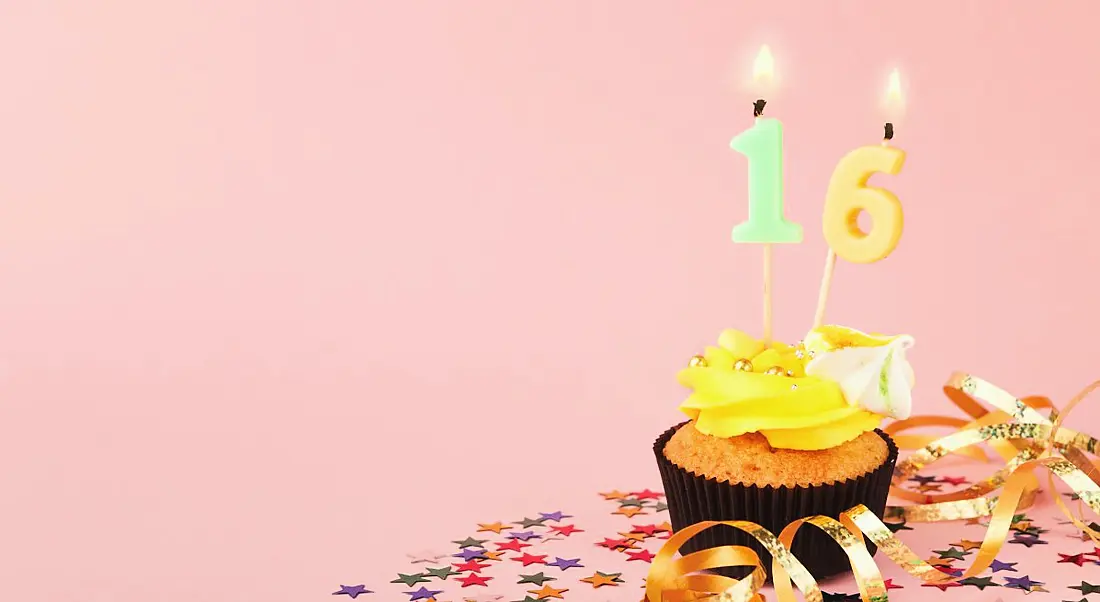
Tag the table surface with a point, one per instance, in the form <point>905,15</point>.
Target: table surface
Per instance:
<point>599,549</point>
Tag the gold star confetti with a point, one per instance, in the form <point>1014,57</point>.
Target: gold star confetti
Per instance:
<point>547,592</point>
<point>967,545</point>
<point>629,511</point>
<point>496,527</point>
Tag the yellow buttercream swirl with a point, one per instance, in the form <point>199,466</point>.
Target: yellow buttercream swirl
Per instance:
<point>792,410</point>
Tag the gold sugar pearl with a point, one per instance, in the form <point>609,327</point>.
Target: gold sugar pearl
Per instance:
<point>774,371</point>
<point>697,361</point>
<point>790,373</point>
<point>743,365</point>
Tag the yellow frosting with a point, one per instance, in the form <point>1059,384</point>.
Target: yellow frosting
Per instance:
<point>792,410</point>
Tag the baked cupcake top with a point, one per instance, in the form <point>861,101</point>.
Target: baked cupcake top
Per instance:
<point>830,388</point>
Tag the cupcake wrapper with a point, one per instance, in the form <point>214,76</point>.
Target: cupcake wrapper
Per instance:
<point>693,498</point>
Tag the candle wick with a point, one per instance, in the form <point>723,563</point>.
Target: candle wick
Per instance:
<point>887,132</point>
<point>758,107</point>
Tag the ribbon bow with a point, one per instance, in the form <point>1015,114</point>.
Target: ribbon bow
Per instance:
<point>1014,429</point>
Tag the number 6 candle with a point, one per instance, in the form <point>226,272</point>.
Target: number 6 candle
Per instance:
<point>849,195</point>
<point>762,145</point>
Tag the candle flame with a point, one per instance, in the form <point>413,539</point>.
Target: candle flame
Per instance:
<point>893,88</point>
<point>763,68</point>
<point>894,100</point>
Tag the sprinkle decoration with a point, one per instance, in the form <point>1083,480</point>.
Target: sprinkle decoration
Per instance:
<point>1014,429</point>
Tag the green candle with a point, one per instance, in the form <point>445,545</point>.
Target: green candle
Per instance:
<point>762,144</point>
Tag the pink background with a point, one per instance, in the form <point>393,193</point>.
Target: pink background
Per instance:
<point>292,288</point>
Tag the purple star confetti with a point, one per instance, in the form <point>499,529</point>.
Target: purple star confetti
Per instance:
<point>1024,583</point>
<point>997,565</point>
<point>352,590</point>
<point>523,535</point>
<point>423,594</point>
<point>555,516</point>
<point>469,554</point>
<point>1027,540</point>
<point>566,563</point>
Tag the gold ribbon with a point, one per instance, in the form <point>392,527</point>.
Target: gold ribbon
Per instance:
<point>1014,429</point>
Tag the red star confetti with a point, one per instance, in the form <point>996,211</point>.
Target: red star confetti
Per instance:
<point>471,565</point>
<point>529,559</point>
<point>1078,559</point>
<point>615,544</point>
<point>954,481</point>
<point>646,494</point>
<point>644,555</point>
<point>566,530</point>
<point>474,579</point>
<point>891,585</point>
<point>513,545</point>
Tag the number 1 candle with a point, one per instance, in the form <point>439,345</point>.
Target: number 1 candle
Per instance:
<point>762,145</point>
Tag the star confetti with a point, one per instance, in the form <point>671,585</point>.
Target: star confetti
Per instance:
<point>354,591</point>
<point>889,583</point>
<point>967,545</point>
<point>980,582</point>
<point>1078,559</point>
<point>555,516</point>
<point>922,479</point>
<point>473,579</point>
<point>926,487</point>
<point>536,579</point>
<point>470,554</point>
<point>895,527</point>
<point>615,544</point>
<point>513,545</point>
<point>951,553</point>
<point>997,565</point>
<point>442,572</point>
<point>954,481</point>
<point>470,542</point>
<point>410,580</point>
<point>1086,588</point>
<point>566,530</point>
<point>527,523</point>
<point>632,502</point>
<point>529,559</point>
<point>643,555</point>
<point>614,495</point>
<point>660,507</point>
<point>629,512</point>
<point>599,579</point>
<point>1024,583</point>
<point>496,527</point>
<point>646,494</point>
<point>565,563</point>
<point>470,566</point>
<point>1027,540</point>
<point>423,594</point>
<point>548,592</point>
<point>523,535</point>
<point>425,556</point>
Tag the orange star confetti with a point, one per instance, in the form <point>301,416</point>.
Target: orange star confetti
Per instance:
<point>665,526</point>
<point>936,561</point>
<point>629,511</point>
<point>614,495</point>
<point>633,536</point>
<point>967,545</point>
<point>496,527</point>
<point>547,592</point>
<point>493,555</point>
<point>601,579</point>
<point>926,487</point>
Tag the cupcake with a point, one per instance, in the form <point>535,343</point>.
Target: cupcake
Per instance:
<point>779,432</point>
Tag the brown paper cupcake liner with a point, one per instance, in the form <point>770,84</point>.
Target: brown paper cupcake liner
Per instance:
<point>694,498</point>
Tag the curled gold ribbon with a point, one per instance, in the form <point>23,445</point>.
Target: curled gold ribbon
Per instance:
<point>1014,429</point>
